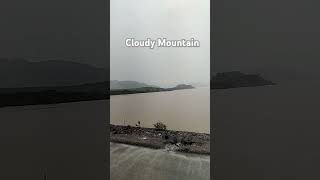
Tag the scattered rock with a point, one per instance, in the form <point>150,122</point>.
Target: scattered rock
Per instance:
<point>187,140</point>
<point>165,136</point>
<point>161,139</point>
<point>172,140</point>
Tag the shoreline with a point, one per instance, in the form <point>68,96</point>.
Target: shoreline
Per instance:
<point>177,141</point>
<point>115,92</point>
<point>47,98</point>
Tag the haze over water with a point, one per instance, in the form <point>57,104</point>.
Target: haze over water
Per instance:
<point>183,110</point>
<point>269,132</point>
<point>66,139</point>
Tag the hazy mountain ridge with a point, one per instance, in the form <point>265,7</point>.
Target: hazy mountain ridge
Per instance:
<point>99,87</point>
<point>23,73</point>
<point>115,84</point>
<point>72,93</point>
<point>52,95</point>
<point>148,89</point>
<point>236,79</point>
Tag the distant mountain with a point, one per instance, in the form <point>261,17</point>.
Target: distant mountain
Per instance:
<point>52,95</point>
<point>148,89</point>
<point>237,79</point>
<point>285,75</point>
<point>23,73</point>
<point>99,87</point>
<point>183,86</point>
<point>114,84</point>
<point>72,93</point>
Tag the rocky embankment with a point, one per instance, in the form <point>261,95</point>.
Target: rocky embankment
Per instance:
<point>161,139</point>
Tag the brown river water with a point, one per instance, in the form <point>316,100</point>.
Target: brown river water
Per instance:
<point>183,110</point>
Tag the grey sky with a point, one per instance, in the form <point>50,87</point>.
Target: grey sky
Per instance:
<point>249,35</point>
<point>274,37</point>
<point>178,19</point>
<point>38,30</point>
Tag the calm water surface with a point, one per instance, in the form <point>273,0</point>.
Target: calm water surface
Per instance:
<point>67,139</point>
<point>185,110</point>
<point>269,133</point>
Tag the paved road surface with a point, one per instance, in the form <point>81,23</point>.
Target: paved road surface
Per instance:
<point>137,163</point>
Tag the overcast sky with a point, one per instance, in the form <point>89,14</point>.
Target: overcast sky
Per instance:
<point>276,37</point>
<point>249,35</point>
<point>38,30</point>
<point>172,19</point>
